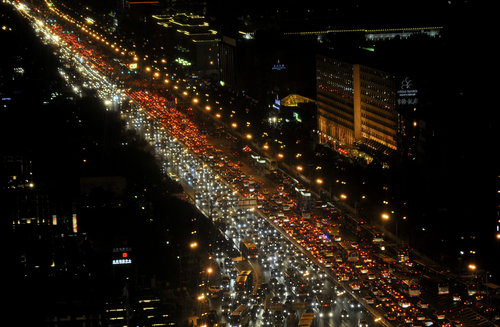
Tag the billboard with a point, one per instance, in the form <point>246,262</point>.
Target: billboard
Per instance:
<point>407,93</point>
<point>75,224</point>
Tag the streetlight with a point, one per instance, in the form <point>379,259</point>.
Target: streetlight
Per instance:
<point>385,216</point>
<point>343,196</point>
<point>319,181</point>
<point>471,290</point>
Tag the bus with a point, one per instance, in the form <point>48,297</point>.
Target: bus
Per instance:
<point>443,287</point>
<point>248,249</point>
<point>271,164</point>
<point>410,287</point>
<point>351,253</point>
<point>302,287</point>
<point>307,319</point>
<point>244,282</point>
<point>240,317</point>
<point>437,283</point>
<point>352,256</point>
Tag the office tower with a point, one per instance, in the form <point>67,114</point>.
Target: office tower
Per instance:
<point>356,107</point>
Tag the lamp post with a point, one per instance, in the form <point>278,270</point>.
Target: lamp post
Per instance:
<point>472,268</point>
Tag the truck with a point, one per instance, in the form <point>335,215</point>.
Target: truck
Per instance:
<point>247,203</point>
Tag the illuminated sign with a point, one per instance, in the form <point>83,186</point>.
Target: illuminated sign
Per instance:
<point>278,66</point>
<point>407,94</point>
<point>297,117</point>
<point>121,256</point>
<point>122,261</point>
<point>54,220</point>
<point>277,103</point>
<point>75,227</point>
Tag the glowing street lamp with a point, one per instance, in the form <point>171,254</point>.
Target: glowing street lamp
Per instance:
<point>300,168</point>
<point>193,245</point>
<point>319,181</point>
<point>343,196</point>
<point>385,216</point>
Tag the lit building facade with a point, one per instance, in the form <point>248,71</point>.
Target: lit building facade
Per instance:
<point>356,106</point>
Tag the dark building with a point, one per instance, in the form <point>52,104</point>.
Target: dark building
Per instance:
<point>193,43</point>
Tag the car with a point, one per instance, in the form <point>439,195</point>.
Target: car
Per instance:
<point>422,305</point>
<point>369,300</point>
<point>440,315</point>
<point>362,323</point>
<point>391,316</point>
<point>354,304</point>
<point>408,320</point>
<point>355,286</point>
<point>344,313</point>
<point>226,309</point>
<point>212,317</point>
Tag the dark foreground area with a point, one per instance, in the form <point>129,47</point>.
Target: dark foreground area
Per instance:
<point>83,192</point>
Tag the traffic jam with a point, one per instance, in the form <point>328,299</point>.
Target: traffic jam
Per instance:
<point>304,259</point>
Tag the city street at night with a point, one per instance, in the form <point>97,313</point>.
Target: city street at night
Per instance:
<point>175,164</point>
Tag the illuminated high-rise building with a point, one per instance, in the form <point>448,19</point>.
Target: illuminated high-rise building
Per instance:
<point>356,106</point>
